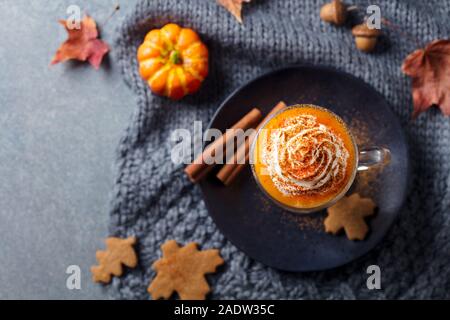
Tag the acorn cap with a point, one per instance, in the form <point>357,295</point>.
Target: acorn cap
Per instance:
<point>334,12</point>
<point>362,30</point>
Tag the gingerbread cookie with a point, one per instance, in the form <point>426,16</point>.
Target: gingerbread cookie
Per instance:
<point>183,269</point>
<point>118,252</point>
<point>348,214</point>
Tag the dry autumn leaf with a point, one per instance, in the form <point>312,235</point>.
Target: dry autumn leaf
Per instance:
<point>234,7</point>
<point>82,44</point>
<point>429,69</point>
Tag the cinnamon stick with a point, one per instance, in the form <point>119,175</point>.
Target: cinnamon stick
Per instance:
<point>201,167</point>
<point>230,171</point>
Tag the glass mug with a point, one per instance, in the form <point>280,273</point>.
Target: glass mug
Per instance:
<point>304,158</point>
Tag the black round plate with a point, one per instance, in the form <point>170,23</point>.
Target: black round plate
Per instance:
<point>296,242</point>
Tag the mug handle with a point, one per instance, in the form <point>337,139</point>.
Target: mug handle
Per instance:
<point>372,156</point>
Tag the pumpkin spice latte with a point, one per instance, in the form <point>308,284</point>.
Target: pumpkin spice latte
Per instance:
<point>304,158</point>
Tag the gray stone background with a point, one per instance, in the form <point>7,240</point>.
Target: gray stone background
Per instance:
<point>59,129</point>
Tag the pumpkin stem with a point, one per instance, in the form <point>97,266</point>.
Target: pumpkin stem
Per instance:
<point>175,57</point>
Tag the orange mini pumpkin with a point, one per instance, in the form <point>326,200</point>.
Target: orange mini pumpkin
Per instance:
<point>173,60</point>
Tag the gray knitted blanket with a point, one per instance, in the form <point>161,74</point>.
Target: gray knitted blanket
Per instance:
<point>154,201</point>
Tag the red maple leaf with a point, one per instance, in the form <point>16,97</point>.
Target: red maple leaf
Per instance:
<point>429,69</point>
<point>234,7</point>
<point>82,44</point>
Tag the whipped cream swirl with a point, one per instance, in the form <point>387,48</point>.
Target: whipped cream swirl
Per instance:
<point>304,156</point>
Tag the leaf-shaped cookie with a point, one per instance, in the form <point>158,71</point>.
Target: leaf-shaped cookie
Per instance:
<point>118,252</point>
<point>348,214</point>
<point>183,270</point>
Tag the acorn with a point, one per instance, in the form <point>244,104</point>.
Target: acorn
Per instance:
<point>334,12</point>
<point>365,38</point>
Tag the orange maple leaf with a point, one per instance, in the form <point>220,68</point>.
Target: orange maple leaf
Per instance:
<point>234,7</point>
<point>429,69</point>
<point>82,44</point>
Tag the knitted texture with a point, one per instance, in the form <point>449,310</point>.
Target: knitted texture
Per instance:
<point>154,201</point>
